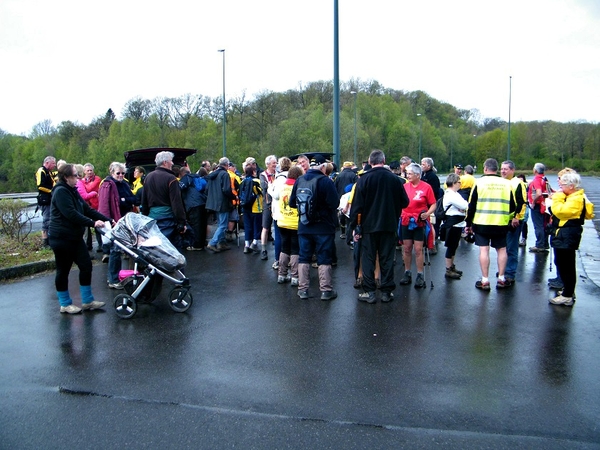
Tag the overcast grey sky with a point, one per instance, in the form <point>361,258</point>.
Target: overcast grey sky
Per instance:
<point>72,60</point>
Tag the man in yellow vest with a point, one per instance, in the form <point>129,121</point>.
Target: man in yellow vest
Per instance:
<point>491,208</point>
<point>507,170</point>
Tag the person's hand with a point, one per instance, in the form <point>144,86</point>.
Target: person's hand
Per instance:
<point>99,224</point>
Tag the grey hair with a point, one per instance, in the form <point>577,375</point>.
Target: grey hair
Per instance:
<point>539,168</point>
<point>491,164</point>
<point>376,157</point>
<point>114,166</point>
<point>469,169</point>
<point>224,162</point>
<point>571,179</point>
<point>405,160</point>
<point>452,179</point>
<point>163,157</point>
<point>428,161</point>
<point>269,159</point>
<point>415,168</point>
<point>88,165</point>
<point>509,163</point>
<point>48,159</point>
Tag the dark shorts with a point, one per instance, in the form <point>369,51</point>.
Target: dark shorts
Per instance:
<point>417,234</point>
<point>267,217</point>
<point>492,240</point>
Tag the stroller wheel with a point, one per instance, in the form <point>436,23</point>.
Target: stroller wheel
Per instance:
<point>125,306</point>
<point>180,299</point>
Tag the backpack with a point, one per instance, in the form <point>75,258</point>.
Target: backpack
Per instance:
<point>440,212</point>
<point>199,183</point>
<point>248,194</point>
<point>305,201</point>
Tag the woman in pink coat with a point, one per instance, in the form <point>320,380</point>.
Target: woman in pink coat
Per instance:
<point>88,187</point>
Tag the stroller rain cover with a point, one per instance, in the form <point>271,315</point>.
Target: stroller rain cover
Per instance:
<point>141,233</point>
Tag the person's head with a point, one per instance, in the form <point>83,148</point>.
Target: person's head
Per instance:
<point>490,166</point>
<point>318,162</point>
<point>67,173</point>
<point>60,163</point>
<point>404,161</point>
<point>453,181</point>
<point>522,177</point>
<point>347,165</point>
<point>183,171</point>
<point>138,172</point>
<point>413,173</point>
<point>117,170</point>
<point>224,162</point>
<point>469,169</point>
<point>49,162</point>
<point>202,172</point>
<point>270,163</point>
<point>164,159</point>
<point>250,161</point>
<point>304,162</point>
<point>377,158</point>
<point>231,167</point>
<point>80,170</point>
<point>88,170</point>
<point>426,164</point>
<point>249,171</point>
<point>295,172</point>
<point>507,169</point>
<point>285,163</point>
<point>569,182</point>
<point>458,169</point>
<point>565,170</point>
<point>539,168</point>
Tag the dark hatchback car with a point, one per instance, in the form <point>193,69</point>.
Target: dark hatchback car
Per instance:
<point>145,157</point>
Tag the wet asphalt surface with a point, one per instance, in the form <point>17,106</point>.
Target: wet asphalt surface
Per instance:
<point>250,365</point>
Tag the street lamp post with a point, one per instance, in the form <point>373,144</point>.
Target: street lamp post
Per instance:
<point>451,155</point>
<point>224,121</point>
<point>355,138</point>
<point>420,133</point>
<point>509,101</point>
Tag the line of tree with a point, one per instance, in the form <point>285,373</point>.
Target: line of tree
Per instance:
<point>301,120</point>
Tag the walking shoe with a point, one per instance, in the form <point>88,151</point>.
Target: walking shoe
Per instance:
<point>197,249</point>
<point>560,300</point>
<point>509,280</point>
<point>522,242</point>
<point>229,236</point>
<point>553,280</point>
<point>561,293</point>
<point>501,284</point>
<point>556,285</point>
<point>263,255</point>
<point>254,248</point>
<point>454,269</point>
<point>420,282</point>
<point>222,246</point>
<point>481,285</point>
<point>105,258</point>
<point>93,305</point>
<point>71,309</point>
<point>368,297</point>
<point>343,236</point>
<point>406,278</point>
<point>314,265</point>
<point>433,250</point>
<point>115,285</point>
<point>536,250</point>
<point>283,279</point>
<point>303,295</point>
<point>247,250</point>
<point>212,248</point>
<point>452,274</point>
<point>387,297</point>
<point>294,282</point>
<point>328,295</point>
<point>275,265</point>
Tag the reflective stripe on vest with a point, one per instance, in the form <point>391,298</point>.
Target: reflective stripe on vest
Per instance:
<point>493,201</point>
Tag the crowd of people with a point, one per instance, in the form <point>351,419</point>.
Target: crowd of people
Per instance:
<point>300,204</point>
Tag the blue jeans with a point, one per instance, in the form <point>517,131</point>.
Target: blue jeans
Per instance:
<point>222,222</point>
<point>541,238</point>
<point>321,244</point>
<point>512,250</point>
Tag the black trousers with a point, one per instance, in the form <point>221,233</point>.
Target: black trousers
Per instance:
<point>65,254</point>
<point>566,266</point>
<point>383,245</point>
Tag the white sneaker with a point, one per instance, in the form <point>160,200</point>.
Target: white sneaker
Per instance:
<point>294,282</point>
<point>93,305</point>
<point>115,286</point>
<point>71,309</point>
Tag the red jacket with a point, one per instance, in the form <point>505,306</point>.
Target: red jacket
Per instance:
<point>88,189</point>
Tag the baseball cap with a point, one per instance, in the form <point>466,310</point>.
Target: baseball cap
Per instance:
<point>317,160</point>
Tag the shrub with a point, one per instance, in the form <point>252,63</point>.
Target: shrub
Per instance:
<point>15,219</point>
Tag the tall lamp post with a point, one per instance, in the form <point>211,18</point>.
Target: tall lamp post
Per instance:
<point>355,139</point>
<point>509,100</point>
<point>451,155</point>
<point>420,133</point>
<point>224,121</point>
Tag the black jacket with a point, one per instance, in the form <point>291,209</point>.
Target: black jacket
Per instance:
<point>70,215</point>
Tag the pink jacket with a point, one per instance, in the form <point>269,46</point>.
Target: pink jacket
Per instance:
<point>89,190</point>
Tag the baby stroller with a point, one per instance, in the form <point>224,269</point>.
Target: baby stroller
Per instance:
<point>155,259</point>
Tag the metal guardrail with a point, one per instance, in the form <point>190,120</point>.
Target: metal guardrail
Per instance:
<point>29,197</point>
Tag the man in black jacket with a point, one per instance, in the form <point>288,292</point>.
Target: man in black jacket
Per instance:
<point>378,199</point>
<point>345,177</point>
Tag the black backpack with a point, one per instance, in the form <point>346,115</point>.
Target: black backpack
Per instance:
<point>440,212</point>
<point>306,198</point>
<point>248,194</point>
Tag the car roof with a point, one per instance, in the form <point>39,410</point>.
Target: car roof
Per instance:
<point>145,156</point>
